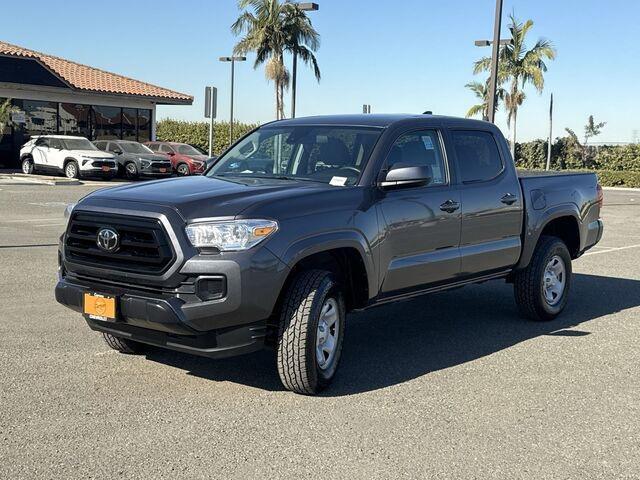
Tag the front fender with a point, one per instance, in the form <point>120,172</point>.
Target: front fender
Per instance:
<point>325,241</point>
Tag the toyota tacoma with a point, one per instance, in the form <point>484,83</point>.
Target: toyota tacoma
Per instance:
<point>304,220</point>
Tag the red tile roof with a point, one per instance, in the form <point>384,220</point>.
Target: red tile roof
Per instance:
<point>83,77</point>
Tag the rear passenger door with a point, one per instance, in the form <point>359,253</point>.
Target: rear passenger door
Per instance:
<point>491,203</point>
<point>421,224</point>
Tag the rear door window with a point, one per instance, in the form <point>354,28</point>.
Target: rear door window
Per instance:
<point>477,154</point>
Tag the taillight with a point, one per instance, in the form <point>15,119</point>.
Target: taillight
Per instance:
<point>599,194</point>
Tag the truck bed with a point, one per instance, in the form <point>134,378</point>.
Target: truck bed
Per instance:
<point>548,173</point>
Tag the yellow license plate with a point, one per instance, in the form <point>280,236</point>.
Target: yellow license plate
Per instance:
<point>99,307</point>
<point>163,170</point>
<point>105,168</point>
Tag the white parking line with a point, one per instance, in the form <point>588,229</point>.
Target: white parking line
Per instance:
<point>613,249</point>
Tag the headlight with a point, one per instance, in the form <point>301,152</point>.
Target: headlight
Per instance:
<point>230,235</point>
<point>68,210</point>
<point>145,163</point>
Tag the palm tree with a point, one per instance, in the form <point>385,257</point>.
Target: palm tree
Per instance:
<point>481,90</point>
<point>519,66</point>
<point>272,29</point>
<point>6,109</point>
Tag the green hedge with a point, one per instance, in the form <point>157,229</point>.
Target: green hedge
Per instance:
<point>611,178</point>
<point>197,133</point>
<point>566,154</point>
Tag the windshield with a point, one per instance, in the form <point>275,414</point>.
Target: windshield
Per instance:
<point>133,147</point>
<point>78,144</point>
<point>186,150</point>
<point>325,154</point>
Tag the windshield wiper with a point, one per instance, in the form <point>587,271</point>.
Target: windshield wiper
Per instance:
<point>274,177</point>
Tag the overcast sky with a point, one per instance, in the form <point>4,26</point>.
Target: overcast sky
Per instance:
<point>398,56</point>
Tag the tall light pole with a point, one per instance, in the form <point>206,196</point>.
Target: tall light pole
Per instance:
<point>306,7</point>
<point>493,79</point>
<point>233,61</point>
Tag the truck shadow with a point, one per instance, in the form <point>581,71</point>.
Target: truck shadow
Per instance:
<point>392,344</point>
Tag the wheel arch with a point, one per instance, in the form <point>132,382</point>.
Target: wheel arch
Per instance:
<point>561,222</point>
<point>346,254</point>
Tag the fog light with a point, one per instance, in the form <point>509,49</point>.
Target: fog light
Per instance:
<point>211,288</point>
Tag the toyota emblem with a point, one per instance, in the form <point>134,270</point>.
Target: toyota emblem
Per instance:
<point>108,239</point>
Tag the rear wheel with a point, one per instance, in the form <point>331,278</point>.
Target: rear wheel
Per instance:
<point>183,170</point>
<point>123,345</point>
<point>27,166</point>
<point>542,289</point>
<point>311,332</point>
<point>71,169</point>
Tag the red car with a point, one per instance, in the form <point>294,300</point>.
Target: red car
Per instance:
<point>186,160</point>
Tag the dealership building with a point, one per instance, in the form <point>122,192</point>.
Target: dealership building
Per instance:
<point>51,95</point>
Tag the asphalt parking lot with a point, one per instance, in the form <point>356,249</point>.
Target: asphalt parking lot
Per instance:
<point>454,385</point>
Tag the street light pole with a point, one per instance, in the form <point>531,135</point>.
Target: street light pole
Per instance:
<point>493,83</point>
<point>233,61</point>
<point>306,7</point>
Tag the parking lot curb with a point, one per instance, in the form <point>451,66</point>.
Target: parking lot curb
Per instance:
<point>622,189</point>
<point>41,181</point>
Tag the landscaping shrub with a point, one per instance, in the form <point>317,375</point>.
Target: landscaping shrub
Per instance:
<point>197,133</point>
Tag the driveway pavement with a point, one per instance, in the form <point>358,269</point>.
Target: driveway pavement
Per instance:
<point>454,385</point>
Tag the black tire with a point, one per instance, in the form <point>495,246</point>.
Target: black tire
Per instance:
<point>123,345</point>
<point>298,366</point>
<point>27,166</point>
<point>529,283</point>
<point>182,170</point>
<point>71,169</point>
<point>130,171</point>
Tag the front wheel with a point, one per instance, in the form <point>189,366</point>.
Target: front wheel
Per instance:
<point>123,345</point>
<point>311,332</point>
<point>27,166</point>
<point>71,169</point>
<point>542,288</point>
<point>131,171</point>
<point>183,170</point>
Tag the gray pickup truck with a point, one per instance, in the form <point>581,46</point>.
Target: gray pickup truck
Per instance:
<point>305,220</point>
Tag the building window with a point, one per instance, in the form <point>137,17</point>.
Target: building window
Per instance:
<point>41,118</point>
<point>129,124</point>
<point>106,123</point>
<point>74,119</point>
<point>144,125</point>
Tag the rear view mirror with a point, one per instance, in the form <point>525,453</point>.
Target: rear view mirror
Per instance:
<point>404,175</point>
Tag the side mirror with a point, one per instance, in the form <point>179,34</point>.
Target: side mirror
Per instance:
<point>402,175</point>
<point>117,151</point>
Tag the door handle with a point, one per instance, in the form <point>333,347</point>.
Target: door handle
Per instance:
<point>509,198</point>
<point>449,206</point>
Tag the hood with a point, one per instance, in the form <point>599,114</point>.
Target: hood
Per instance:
<point>94,154</point>
<point>204,197</point>
<point>153,157</point>
<point>198,158</point>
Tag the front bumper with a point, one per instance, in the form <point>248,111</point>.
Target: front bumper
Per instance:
<point>161,321</point>
<point>98,172</point>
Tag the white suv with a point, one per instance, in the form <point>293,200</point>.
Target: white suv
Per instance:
<point>73,156</point>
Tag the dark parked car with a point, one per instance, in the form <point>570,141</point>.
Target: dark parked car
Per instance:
<point>135,160</point>
<point>186,159</point>
<point>304,220</point>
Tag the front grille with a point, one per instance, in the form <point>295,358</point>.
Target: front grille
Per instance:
<point>144,246</point>
<point>103,163</point>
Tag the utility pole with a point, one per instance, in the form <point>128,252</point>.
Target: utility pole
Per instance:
<point>493,85</point>
<point>305,7</point>
<point>210,111</point>
<point>233,61</point>
<point>550,133</point>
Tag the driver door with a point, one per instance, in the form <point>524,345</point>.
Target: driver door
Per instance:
<point>421,224</point>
